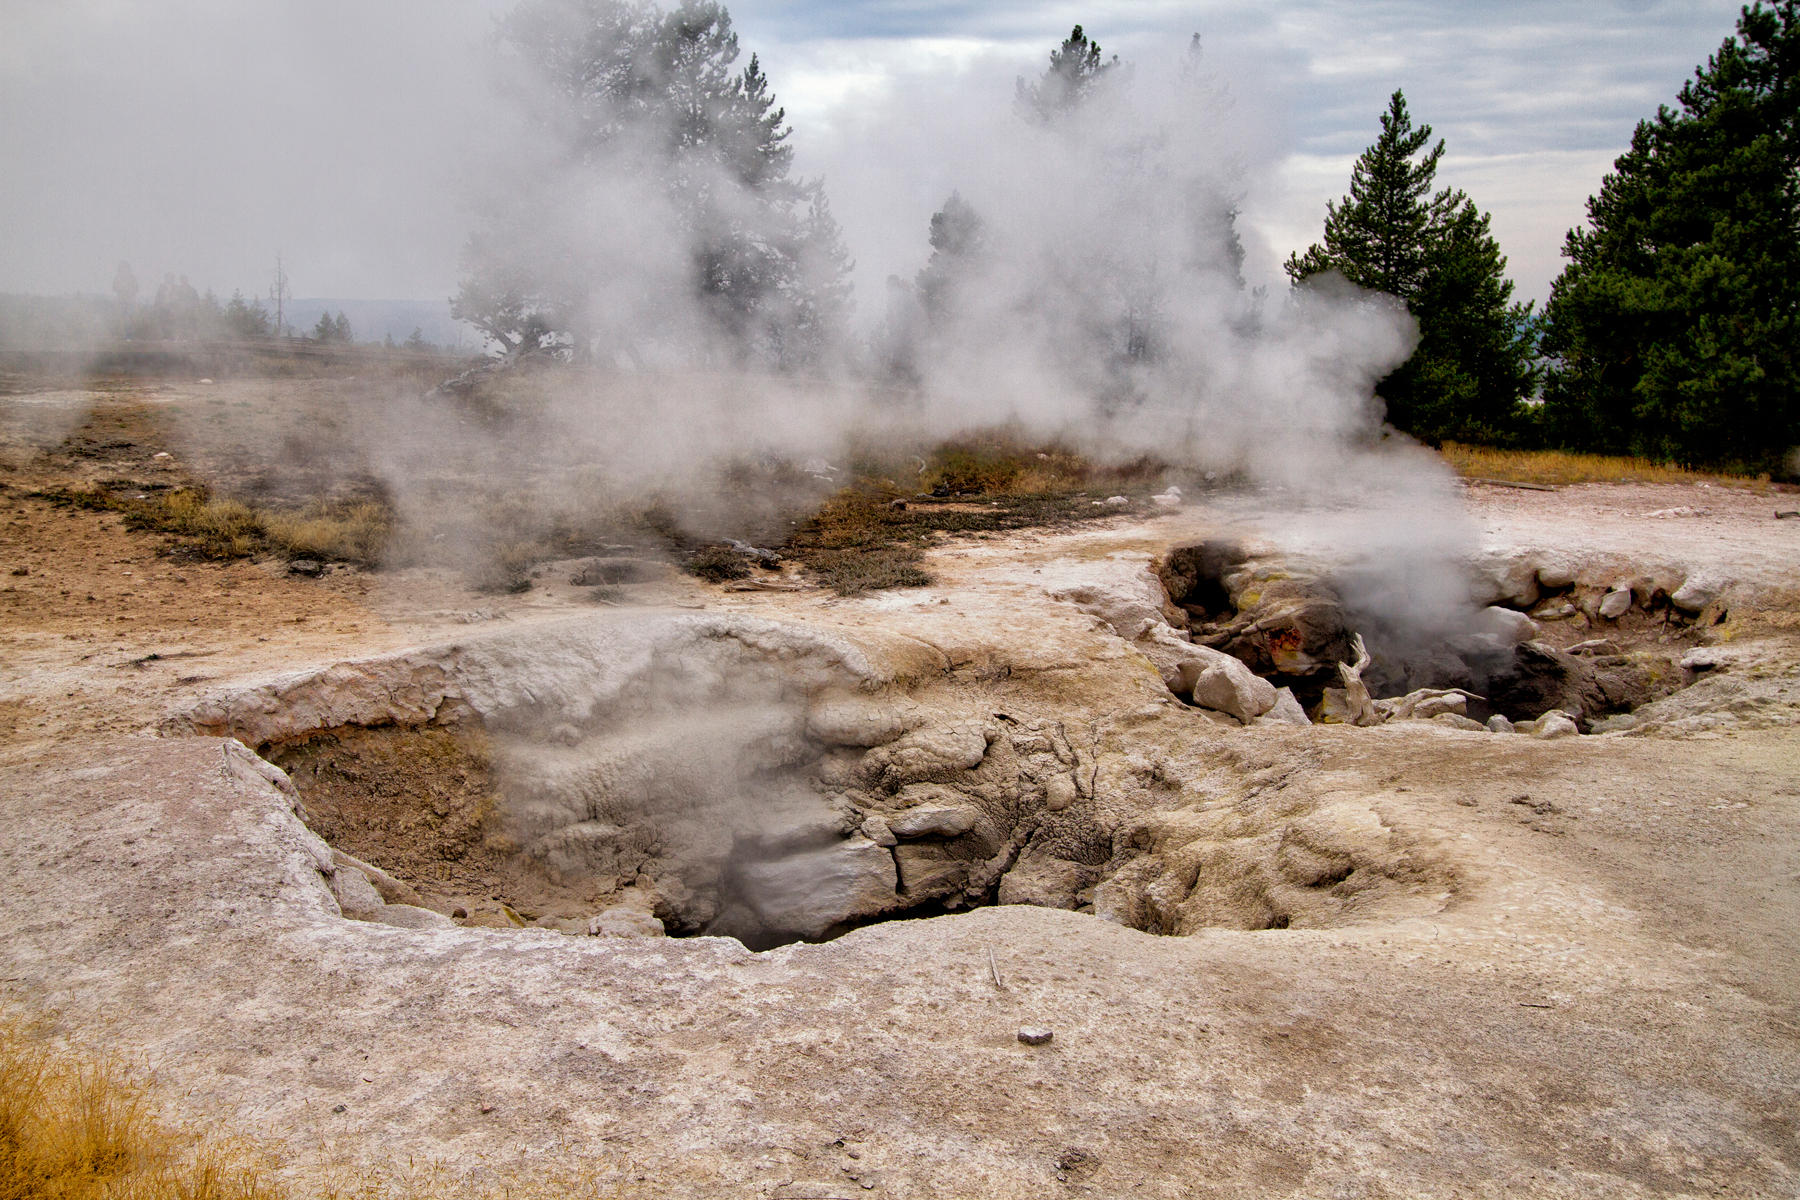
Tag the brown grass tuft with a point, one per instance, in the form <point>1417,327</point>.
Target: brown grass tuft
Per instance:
<point>72,1129</point>
<point>1562,467</point>
<point>348,531</point>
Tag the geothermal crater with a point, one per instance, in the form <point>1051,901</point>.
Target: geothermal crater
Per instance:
<point>639,774</point>
<point>635,774</point>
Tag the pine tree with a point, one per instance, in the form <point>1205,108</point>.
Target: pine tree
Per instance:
<point>655,96</point>
<point>1435,252</point>
<point>1077,68</point>
<point>246,318</point>
<point>1673,327</point>
<point>958,239</point>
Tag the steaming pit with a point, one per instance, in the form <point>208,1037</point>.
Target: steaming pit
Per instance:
<point>643,774</point>
<point>1538,635</point>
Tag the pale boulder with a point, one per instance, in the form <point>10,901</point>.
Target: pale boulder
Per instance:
<point>1698,591</point>
<point>808,894</point>
<point>1509,626</point>
<point>1285,711</point>
<point>1228,686</point>
<point>933,820</point>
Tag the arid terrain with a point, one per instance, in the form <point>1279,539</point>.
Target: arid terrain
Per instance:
<point>1275,959</point>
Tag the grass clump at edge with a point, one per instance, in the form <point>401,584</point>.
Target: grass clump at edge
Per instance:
<point>1555,467</point>
<point>74,1129</point>
<point>80,1127</point>
<point>354,531</point>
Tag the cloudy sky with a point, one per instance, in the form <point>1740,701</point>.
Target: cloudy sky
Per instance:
<point>206,136</point>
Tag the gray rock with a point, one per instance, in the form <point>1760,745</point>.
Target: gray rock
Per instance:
<point>930,871</point>
<point>1285,711</point>
<point>1035,1035</point>
<point>1458,721</point>
<point>311,568</point>
<point>356,896</point>
<point>1045,881</point>
<point>938,753</point>
<point>1334,707</point>
<point>1621,723</point>
<point>1554,725</point>
<point>1424,705</point>
<point>807,894</point>
<point>411,916</point>
<point>1500,723</point>
<point>1556,573</point>
<point>1509,626</point>
<point>1132,606</point>
<point>1595,647</point>
<point>932,820</point>
<point>1615,603</point>
<point>877,831</point>
<point>391,890</point>
<point>1698,591</point>
<point>1507,577</point>
<point>1176,659</point>
<point>624,921</point>
<point>1059,792</point>
<point>1704,658</point>
<point>839,719</point>
<point>1228,686</point>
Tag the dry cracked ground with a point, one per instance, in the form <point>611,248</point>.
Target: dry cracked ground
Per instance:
<point>386,873</point>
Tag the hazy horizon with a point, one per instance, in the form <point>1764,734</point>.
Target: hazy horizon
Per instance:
<point>204,138</point>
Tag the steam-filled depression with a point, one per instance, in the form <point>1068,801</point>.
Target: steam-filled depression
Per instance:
<point>690,773</point>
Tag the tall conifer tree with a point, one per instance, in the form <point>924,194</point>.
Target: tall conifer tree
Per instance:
<point>1433,250</point>
<point>1673,327</point>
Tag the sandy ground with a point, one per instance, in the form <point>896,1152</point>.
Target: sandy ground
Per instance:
<point>1603,1000</point>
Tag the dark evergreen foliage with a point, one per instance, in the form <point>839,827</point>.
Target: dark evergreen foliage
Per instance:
<point>1672,329</point>
<point>1077,67</point>
<point>655,94</point>
<point>1435,251</point>
<point>958,235</point>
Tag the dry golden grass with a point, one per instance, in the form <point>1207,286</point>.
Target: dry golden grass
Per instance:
<point>77,1129</point>
<point>355,531</point>
<point>1552,467</point>
<point>74,1127</point>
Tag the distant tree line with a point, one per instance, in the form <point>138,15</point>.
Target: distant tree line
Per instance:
<point>1669,334</point>
<point>1671,331</point>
